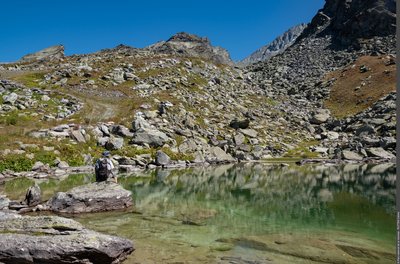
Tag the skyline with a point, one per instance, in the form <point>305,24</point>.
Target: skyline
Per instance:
<point>87,27</point>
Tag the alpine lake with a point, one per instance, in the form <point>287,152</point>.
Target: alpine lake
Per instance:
<point>248,213</point>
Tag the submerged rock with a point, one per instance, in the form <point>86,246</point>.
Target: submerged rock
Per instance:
<point>52,239</point>
<point>94,197</point>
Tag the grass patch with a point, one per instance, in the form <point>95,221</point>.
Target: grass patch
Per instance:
<point>177,155</point>
<point>302,150</point>
<point>15,162</point>
<point>30,79</point>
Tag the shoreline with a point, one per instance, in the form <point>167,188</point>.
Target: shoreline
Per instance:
<point>123,169</point>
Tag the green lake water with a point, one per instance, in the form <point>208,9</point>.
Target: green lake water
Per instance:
<point>250,213</point>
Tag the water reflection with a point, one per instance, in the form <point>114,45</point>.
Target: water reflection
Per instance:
<point>259,198</point>
<point>199,206</point>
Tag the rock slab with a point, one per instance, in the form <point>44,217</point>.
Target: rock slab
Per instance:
<point>52,239</point>
<point>94,197</point>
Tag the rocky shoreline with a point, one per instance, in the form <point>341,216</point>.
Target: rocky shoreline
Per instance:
<point>126,168</point>
<point>54,239</point>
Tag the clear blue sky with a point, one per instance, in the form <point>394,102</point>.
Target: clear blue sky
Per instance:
<point>85,26</point>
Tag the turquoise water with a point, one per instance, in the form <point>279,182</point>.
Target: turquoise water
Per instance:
<point>255,213</point>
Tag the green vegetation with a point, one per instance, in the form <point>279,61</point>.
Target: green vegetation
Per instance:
<point>177,155</point>
<point>15,162</point>
<point>30,79</point>
<point>303,150</point>
<point>14,118</point>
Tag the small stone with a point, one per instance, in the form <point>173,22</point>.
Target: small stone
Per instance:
<point>37,166</point>
<point>63,165</point>
<point>45,98</point>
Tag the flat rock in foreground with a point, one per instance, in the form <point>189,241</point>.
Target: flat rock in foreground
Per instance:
<point>94,197</point>
<point>52,239</point>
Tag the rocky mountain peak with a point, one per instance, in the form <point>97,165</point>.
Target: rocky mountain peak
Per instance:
<point>277,46</point>
<point>185,44</point>
<point>50,53</point>
<point>347,20</point>
<point>186,37</point>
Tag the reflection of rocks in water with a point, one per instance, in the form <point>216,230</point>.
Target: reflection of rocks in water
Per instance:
<point>262,191</point>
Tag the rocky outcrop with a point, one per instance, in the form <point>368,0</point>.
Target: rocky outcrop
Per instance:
<point>279,45</point>
<point>50,53</point>
<point>350,20</point>
<point>52,239</point>
<point>94,197</point>
<point>194,46</point>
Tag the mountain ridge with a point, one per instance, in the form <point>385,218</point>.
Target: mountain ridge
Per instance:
<point>278,45</point>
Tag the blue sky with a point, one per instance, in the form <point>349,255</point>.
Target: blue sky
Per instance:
<point>88,26</point>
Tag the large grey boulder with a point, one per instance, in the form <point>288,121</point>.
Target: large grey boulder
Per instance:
<point>320,116</point>
<point>239,139</point>
<point>152,137</point>
<point>78,136</point>
<point>249,132</point>
<point>140,123</point>
<point>122,131</point>
<point>52,239</point>
<point>218,155</point>
<point>94,197</point>
<point>33,195</point>
<point>350,155</point>
<point>379,153</point>
<point>10,98</point>
<point>162,159</point>
<point>114,143</point>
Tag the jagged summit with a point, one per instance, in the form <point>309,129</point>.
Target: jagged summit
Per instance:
<point>186,37</point>
<point>348,20</point>
<point>50,53</point>
<point>192,45</point>
<point>277,46</point>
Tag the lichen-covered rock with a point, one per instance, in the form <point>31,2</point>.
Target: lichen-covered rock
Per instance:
<point>52,239</point>
<point>94,197</point>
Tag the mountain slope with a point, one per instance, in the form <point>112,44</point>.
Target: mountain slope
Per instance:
<point>277,46</point>
<point>179,97</point>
